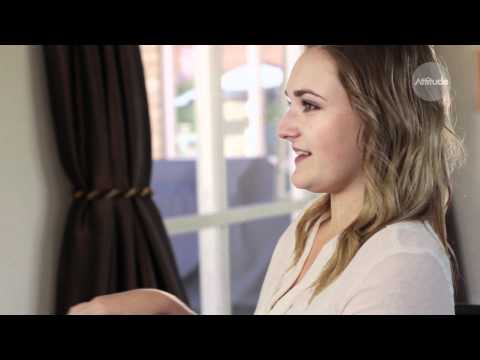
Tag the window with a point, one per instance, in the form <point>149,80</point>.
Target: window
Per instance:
<point>221,178</point>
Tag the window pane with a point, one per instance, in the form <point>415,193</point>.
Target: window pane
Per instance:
<point>169,82</point>
<point>252,88</point>
<point>185,248</point>
<point>251,247</point>
<point>255,171</point>
<point>186,135</point>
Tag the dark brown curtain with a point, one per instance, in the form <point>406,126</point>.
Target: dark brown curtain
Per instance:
<point>114,239</point>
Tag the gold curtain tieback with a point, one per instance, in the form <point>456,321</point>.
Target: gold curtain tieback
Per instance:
<point>112,194</point>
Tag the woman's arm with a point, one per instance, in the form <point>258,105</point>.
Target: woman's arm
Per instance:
<point>133,302</point>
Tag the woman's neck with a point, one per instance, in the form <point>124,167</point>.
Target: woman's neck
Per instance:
<point>346,205</point>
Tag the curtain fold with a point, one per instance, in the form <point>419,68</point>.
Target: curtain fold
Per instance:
<point>114,238</point>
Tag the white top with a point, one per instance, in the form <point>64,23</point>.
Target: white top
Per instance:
<point>402,269</point>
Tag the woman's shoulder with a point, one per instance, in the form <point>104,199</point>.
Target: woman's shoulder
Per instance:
<point>412,237</point>
<point>405,257</point>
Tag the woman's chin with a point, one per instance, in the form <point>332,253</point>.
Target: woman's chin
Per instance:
<point>300,183</point>
<point>308,185</point>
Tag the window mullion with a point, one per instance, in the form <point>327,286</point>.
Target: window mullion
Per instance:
<point>214,254</point>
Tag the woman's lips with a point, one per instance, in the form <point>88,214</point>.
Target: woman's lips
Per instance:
<point>300,158</point>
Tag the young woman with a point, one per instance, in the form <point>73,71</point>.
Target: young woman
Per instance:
<point>381,156</point>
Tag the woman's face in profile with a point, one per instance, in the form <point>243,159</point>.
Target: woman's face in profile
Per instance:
<point>320,120</point>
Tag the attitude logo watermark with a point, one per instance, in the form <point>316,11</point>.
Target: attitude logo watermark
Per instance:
<point>430,81</point>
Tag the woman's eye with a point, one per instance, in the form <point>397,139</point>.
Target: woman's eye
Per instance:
<point>307,107</point>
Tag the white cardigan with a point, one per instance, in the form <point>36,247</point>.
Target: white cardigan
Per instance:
<point>402,269</point>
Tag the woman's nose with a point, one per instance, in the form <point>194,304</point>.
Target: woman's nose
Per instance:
<point>287,127</point>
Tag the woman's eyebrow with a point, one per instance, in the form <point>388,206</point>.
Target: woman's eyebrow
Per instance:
<point>300,92</point>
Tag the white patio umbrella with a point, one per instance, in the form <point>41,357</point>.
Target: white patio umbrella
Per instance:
<point>239,80</point>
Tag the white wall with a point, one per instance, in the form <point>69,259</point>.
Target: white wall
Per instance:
<point>34,193</point>
<point>464,71</point>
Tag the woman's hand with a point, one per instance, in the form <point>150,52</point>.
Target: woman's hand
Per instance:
<point>133,302</point>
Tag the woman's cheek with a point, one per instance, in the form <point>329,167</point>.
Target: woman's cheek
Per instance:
<point>336,145</point>
<point>330,139</point>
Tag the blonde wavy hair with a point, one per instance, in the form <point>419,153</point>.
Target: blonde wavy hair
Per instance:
<point>410,150</point>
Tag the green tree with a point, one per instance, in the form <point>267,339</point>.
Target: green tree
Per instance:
<point>185,114</point>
